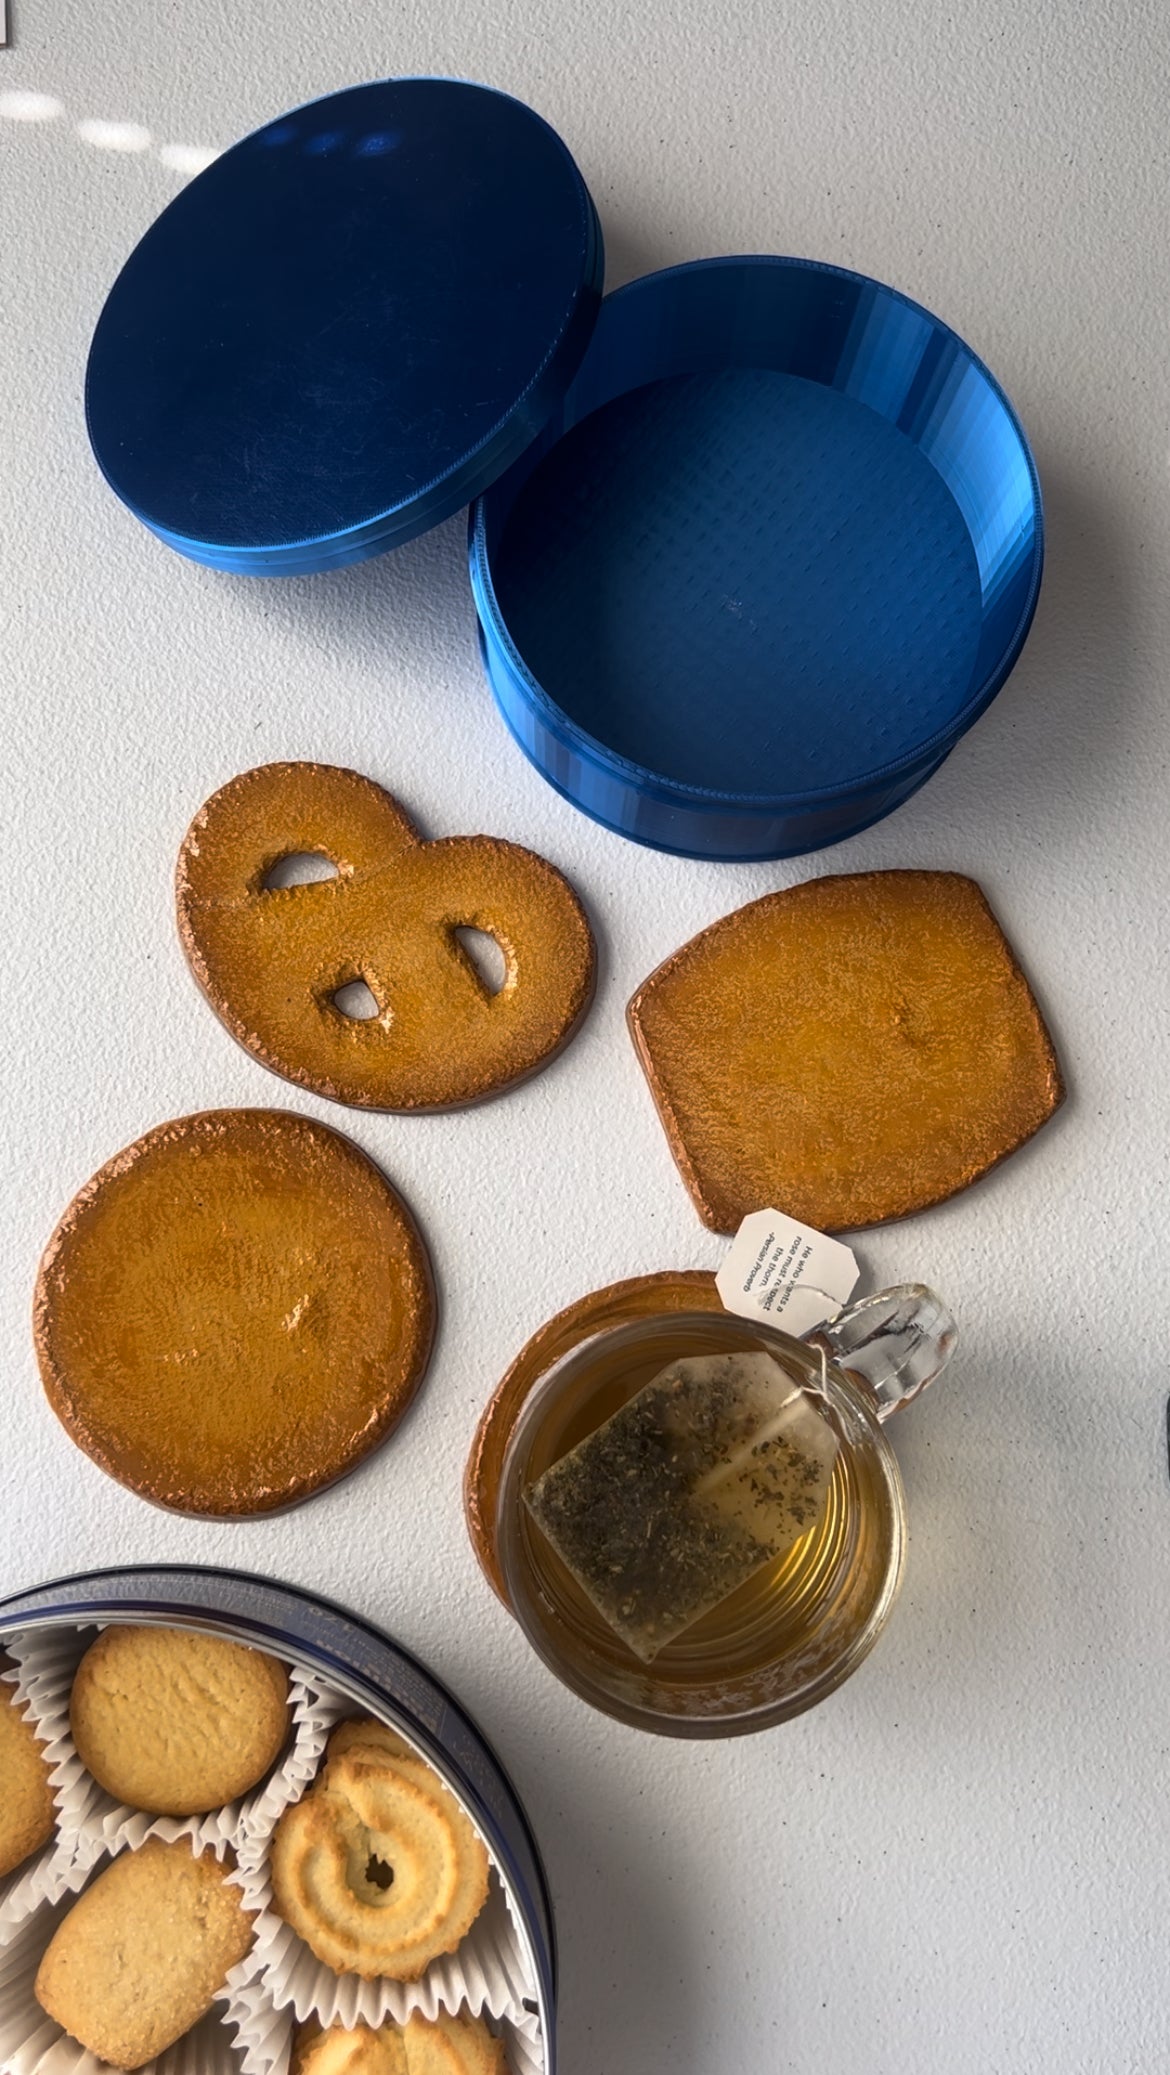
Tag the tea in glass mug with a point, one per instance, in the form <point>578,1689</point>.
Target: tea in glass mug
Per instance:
<point>700,1522</point>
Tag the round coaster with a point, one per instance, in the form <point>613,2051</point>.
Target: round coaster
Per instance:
<point>234,1312</point>
<point>618,1304</point>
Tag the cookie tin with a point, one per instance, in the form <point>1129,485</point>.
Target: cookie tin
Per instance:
<point>779,549</point>
<point>756,539</point>
<point>362,1665</point>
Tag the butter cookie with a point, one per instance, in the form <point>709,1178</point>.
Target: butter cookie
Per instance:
<point>176,1722</point>
<point>27,1812</point>
<point>443,2045</point>
<point>234,1312</point>
<point>378,1868</point>
<point>144,1952</point>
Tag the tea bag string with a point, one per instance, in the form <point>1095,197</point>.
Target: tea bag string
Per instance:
<point>815,1345</point>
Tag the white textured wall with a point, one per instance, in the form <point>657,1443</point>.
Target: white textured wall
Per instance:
<point>960,1861</point>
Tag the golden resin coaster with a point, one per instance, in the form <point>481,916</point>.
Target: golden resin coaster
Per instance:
<point>234,1312</point>
<point>275,961</point>
<point>619,1304</point>
<point>848,1051</point>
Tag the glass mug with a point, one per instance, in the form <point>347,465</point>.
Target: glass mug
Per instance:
<point>798,1626</point>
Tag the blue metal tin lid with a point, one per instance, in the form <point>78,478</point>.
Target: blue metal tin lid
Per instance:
<point>346,328</point>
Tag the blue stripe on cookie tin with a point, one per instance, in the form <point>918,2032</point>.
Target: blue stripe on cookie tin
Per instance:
<point>357,1658</point>
<point>777,551</point>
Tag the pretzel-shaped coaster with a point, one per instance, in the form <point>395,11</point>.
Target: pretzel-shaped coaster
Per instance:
<point>272,960</point>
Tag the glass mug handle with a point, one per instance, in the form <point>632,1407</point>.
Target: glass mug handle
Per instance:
<point>895,1342</point>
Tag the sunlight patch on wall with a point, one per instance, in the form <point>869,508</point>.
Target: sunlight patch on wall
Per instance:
<point>188,158</point>
<point>17,106</point>
<point>114,136</point>
<point>22,105</point>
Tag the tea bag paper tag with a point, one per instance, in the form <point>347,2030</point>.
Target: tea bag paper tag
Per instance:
<point>785,1272</point>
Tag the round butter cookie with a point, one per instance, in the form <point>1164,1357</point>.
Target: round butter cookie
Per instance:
<point>234,1312</point>
<point>277,961</point>
<point>175,1722</point>
<point>144,1952</point>
<point>378,1868</point>
<point>27,1813</point>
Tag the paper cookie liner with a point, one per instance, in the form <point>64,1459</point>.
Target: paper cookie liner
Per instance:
<point>31,2043</point>
<point>488,1972</point>
<point>91,1822</point>
<point>523,2043</point>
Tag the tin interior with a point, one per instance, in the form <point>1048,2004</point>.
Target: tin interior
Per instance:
<point>785,541</point>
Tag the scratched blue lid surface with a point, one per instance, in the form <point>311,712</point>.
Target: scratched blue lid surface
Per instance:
<point>346,328</point>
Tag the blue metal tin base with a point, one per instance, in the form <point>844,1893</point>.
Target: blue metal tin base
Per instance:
<point>660,823</point>
<point>778,553</point>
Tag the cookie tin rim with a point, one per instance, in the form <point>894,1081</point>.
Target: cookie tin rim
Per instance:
<point>654,786</point>
<point>438,498</point>
<point>351,1652</point>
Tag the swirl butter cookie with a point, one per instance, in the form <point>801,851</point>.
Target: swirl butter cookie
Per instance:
<point>452,2046</point>
<point>176,1722</point>
<point>378,1869</point>
<point>443,2045</point>
<point>27,1813</point>
<point>354,2050</point>
<point>234,1312</point>
<point>144,1952</point>
<point>275,962</point>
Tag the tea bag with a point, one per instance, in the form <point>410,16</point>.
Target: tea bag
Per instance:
<point>715,1468</point>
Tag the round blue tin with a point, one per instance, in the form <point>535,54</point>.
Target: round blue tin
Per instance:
<point>360,1662</point>
<point>778,549</point>
<point>346,327</point>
